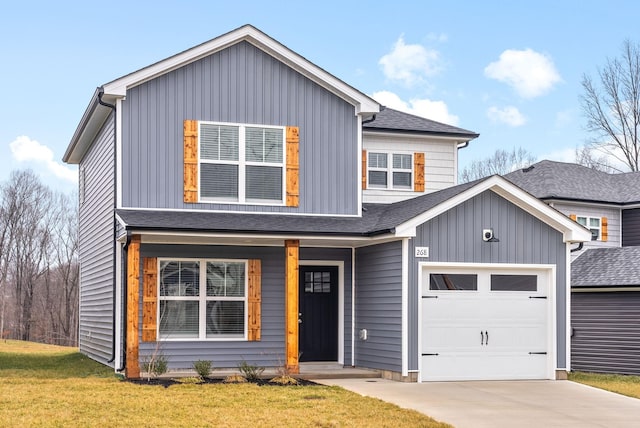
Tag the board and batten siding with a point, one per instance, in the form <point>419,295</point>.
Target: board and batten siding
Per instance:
<point>96,253</point>
<point>439,163</point>
<point>606,332</point>
<point>631,227</point>
<point>456,236</point>
<point>240,84</point>
<point>269,351</point>
<point>379,306</point>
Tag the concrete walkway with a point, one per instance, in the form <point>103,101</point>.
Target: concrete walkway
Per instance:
<point>505,404</point>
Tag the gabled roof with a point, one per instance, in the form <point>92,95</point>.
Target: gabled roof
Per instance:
<point>399,219</point>
<point>607,267</point>
<point>558,180</point>
<point>95,115</point>
<point>390,120</point>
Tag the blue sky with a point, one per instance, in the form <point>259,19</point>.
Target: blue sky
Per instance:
<point>509,71</point>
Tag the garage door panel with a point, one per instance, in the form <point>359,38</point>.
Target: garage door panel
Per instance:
<point>492,332</point>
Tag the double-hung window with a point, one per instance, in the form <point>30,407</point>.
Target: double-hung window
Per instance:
<point>202,299</point>
<point>390,170</point>
<point>593,224</point>
<point>241,163</point>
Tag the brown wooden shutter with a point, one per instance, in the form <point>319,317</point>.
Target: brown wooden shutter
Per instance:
<point>149,298</point>
<point>604,232</point>
<point>255,299</point>
<point>191,161</point>
<point>418,172</point>
<point>364,169</point>
<point>293,166</point>
<point>573,217</point>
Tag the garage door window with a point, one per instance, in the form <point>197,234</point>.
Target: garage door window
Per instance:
<point>448,281</point>
<point>514,282</point>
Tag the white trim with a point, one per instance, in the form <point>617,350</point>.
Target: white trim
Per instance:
<point>603,289</point>
<point>362,103</point>
<point>353,307</point>
<point>340,265</point>
<point>121,221</point>
<point>405,307</point>
<point>572,232</point>
<point>431,137</point>
<point>359,166</point>
<point>118,149</point>
<point>117,337</point>
<point>389,170</point>
<point>192,210</point>
<point>548,269</point>
<point>567,280</point>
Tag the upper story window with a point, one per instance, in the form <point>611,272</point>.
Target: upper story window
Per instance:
<point>241,163</point>
<point>593,224</point>
<point>390,170</point>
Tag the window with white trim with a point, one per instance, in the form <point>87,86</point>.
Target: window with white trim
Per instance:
<point>390,171</point>
<point>202,299</point>
<point>241,163</point>
<point>593,224</point>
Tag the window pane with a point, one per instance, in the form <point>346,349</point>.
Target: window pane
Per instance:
<point>514,283</point>
<point>178,318</point>
<point>225,279</point>
<point>401,161</point>
<point>224,317</point>
<point>582,220</point>
<point>378,178</point>
<point>264,182</point>
<point>218,180</point>
<point>264,144</point>
<point>218,142</point>
<point>594,222</point>
<point>377,160</point>
<point>179,278</point>
<point>595,234</point>
<point>402,180</point>
<point>440,281</point>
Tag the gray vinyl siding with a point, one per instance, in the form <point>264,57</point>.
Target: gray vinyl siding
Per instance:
<point>606,332</point>
<point>96,248</point>
<point>456,236</point>
<point>240,84</point>
<point>379,306</point>
<point>631,227</point>
<point>269,351</point>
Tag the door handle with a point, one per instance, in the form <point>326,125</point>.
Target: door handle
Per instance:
<point>481,337</point>
<point>486,341</point>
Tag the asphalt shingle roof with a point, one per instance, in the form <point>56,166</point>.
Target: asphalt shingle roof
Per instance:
<point>393,120</point>
<point>607,267</point>
<point>376,218</point>
<point>558,180</point>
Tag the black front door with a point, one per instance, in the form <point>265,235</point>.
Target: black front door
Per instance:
<point>318,307</point>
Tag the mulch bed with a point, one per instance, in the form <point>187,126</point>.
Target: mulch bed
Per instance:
<point>166,382</point>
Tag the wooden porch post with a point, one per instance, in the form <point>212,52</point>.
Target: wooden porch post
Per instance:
<point>132,369</point>
<point>291,305</point>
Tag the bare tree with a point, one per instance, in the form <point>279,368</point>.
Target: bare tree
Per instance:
<point>501,162</point>
<point>612,107</point>
<point>591,158</point>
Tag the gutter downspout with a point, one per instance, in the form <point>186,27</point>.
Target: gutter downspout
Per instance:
<point>115,236</point>
<point>578,248</point>
<point>125,253</point>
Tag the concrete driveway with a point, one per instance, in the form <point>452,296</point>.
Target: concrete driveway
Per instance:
<point>505,404</point>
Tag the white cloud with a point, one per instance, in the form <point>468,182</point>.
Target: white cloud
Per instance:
<point>434,110</point>
<point>530,73</point>
<point>509,115</point>
<point>438,37</point>
<point>410,64</point>
<point>24,149</point>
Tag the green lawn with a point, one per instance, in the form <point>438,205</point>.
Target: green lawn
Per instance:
<point>625,385</point>
<point>43,385</point>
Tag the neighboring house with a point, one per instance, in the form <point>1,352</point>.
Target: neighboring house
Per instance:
<point>605,306</point>
<point>226,214</point>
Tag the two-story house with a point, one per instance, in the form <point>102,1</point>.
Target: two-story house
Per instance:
<point>238,202</point>
<point>605,271</point>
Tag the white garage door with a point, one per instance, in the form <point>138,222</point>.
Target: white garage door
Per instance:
<point>485,325</point>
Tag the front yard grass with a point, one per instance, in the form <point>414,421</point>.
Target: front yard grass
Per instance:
<point>621,384</point>
<point>42,385</point>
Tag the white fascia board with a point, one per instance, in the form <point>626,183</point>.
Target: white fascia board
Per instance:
<point>417,136</point>
<point>572,231</point>
<point>362,103</point>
